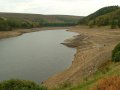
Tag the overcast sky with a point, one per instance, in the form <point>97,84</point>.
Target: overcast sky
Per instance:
<point>66,7</point>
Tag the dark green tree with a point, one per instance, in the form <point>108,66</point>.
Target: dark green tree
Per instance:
<point>116,53</point>
<point>4,25</point>
<point>119,23</point>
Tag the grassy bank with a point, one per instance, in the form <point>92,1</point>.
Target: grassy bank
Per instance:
<point>106,70</point>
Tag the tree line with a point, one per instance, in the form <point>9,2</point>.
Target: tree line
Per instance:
<point>10,24</point>
<point>107,16</point>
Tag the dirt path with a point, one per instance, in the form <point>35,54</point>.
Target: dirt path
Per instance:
<point>94,48</point>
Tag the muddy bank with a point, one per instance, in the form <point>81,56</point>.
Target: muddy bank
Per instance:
<point>17,32</point>
<point>94,48</point>
<point>75,41</point>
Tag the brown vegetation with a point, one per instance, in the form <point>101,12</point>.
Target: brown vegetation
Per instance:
<point>109,83</point>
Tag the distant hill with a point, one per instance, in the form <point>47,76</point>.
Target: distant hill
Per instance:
<point>105,16</point>
<point>41,18</point>
<point>8,21</point>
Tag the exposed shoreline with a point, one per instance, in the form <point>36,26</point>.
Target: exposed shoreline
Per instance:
<point>94,47</point>
<point>18,32</point>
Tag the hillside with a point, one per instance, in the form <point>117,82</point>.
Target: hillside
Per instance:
<point>40,17</point>
<point>103,17</point>
<point>8,21</point>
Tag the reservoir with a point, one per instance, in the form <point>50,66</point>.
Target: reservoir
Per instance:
<point>35,56</point>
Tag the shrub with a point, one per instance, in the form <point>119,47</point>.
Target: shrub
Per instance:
<point>109,83</point>
<point>119,23</point>
<point>15,84</point>
<point>116,57</point>
<point>116,53</point>
<point>4,25</point>
<point>65,85</point>
<point>114,24</point>
<point>91,24</point>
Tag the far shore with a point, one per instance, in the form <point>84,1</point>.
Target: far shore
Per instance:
<point>18,32</point>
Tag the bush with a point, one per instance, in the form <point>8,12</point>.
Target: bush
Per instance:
<point>15,84</point>
<point>65,85</point>
<point>4,25</point>
<point>116,57</point>
<point>119,23</point>
<point>114,24</point>
<point>116,53</point>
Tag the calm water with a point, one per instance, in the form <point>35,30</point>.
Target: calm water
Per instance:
<point>35,56</point>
